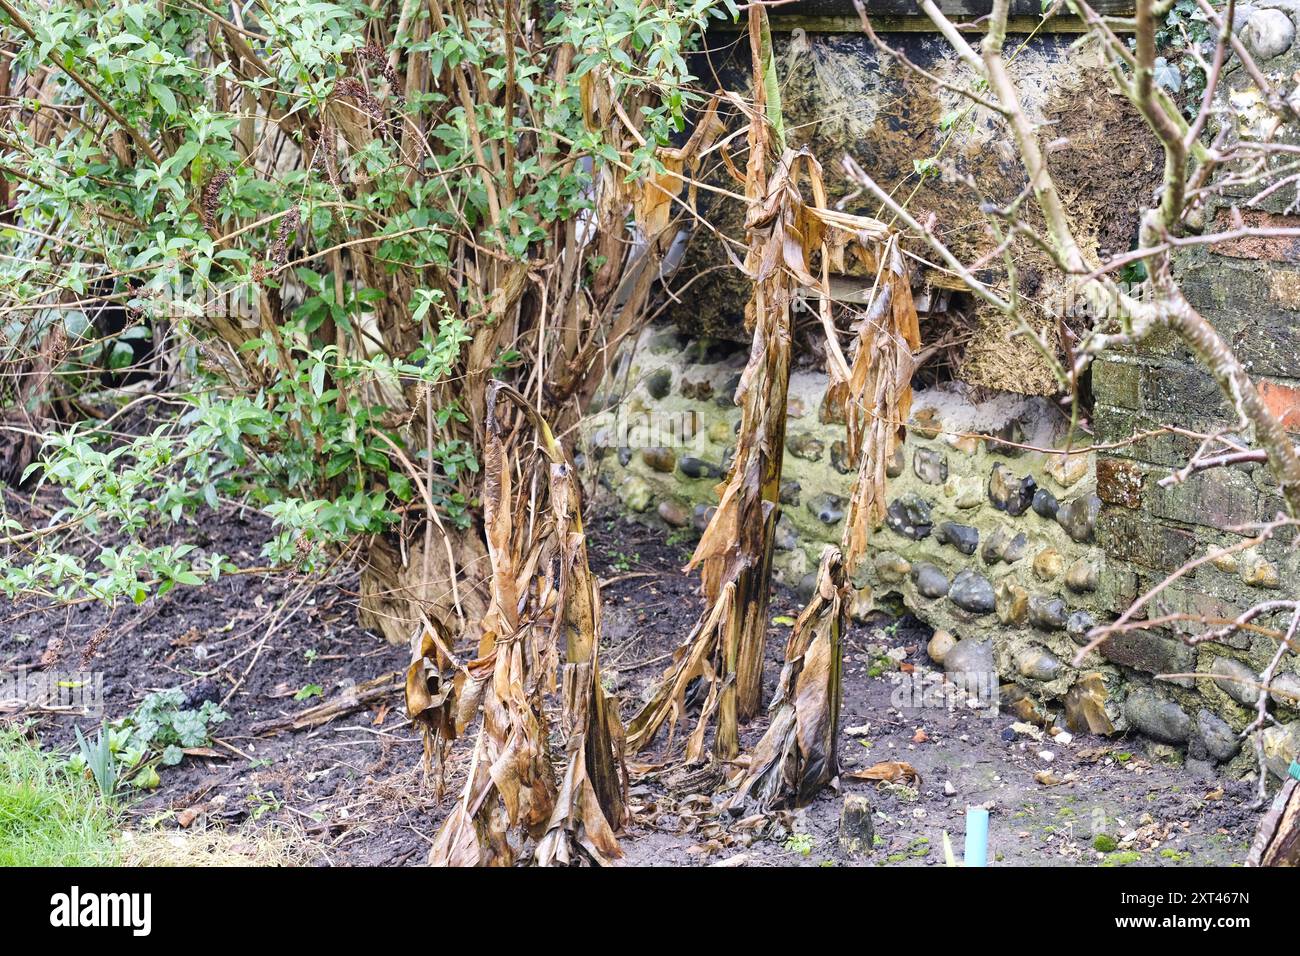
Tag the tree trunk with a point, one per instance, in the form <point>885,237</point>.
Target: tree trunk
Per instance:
<point>1277,842</point>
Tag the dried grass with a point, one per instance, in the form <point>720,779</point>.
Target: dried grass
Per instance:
<point>281,845</point>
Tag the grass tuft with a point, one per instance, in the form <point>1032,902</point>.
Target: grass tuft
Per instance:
<point>47,816</point>
<point>50,817</point>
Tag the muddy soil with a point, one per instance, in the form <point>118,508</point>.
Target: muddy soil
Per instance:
<point>351,789</point>
<point>354,793</point>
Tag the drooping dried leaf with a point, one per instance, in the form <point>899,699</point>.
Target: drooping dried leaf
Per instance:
<point>693,659</point>
<point>430,697</point>
<point>878,395</point>
<point>798,754</point>
<point>893,771</point>
<point>652,202</point>
<point>1277,840</point>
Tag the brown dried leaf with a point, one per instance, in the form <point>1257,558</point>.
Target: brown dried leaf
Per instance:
<point>892,771</point>
<point>798,754</point>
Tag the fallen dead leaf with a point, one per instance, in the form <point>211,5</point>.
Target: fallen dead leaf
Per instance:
<point>188,816</point>
<point>889,770</point>
<point>192,636</point>
<point>920,736</point>
<point>204,752</point>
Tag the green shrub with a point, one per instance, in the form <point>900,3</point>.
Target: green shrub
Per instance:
<point>367,231</point>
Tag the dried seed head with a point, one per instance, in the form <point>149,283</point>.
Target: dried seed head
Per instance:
<point>374,54</point>
<point>212,195</point>
<point>355,90</point>
<point>53,651</point>
<point>288,226</point>
<point>326,157</point>
<point>57,343</point>
<point>92,646</point>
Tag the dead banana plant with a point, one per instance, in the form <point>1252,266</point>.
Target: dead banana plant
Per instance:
<point>785,233</point>
<point>878,393</point>
<point>593,791</point>
<point>735,551</point>
<point>510,788</point>
<point>541,587</point>
<point>799,754</point>
<point>725,648</point>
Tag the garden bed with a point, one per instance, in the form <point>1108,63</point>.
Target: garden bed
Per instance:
<point>352,790</point>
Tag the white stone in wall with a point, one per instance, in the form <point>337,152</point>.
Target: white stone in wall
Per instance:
<point>1268,33</point>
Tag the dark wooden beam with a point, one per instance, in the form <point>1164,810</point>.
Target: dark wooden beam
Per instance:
<point>905,16</point>
<point>958,9</point>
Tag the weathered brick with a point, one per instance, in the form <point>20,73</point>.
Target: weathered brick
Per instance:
<point>1170,389</point>
<point>1284,288</point>
<point>1215,284</point>
<point>1149,652</point>
<point>1160,448</point>
<point>1270,248</point>
<point>1119,482</point>
<point>1134,537</point>
<point>1206,603</point>
<point>1117,588</point>
<point>1213,499</point>
<point>1204,285</point>
<point>1116,382</point>
<point>1265,339</point>
<point>1250,292</point>
<point>1283,401</point>
<point>1111,422</point>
